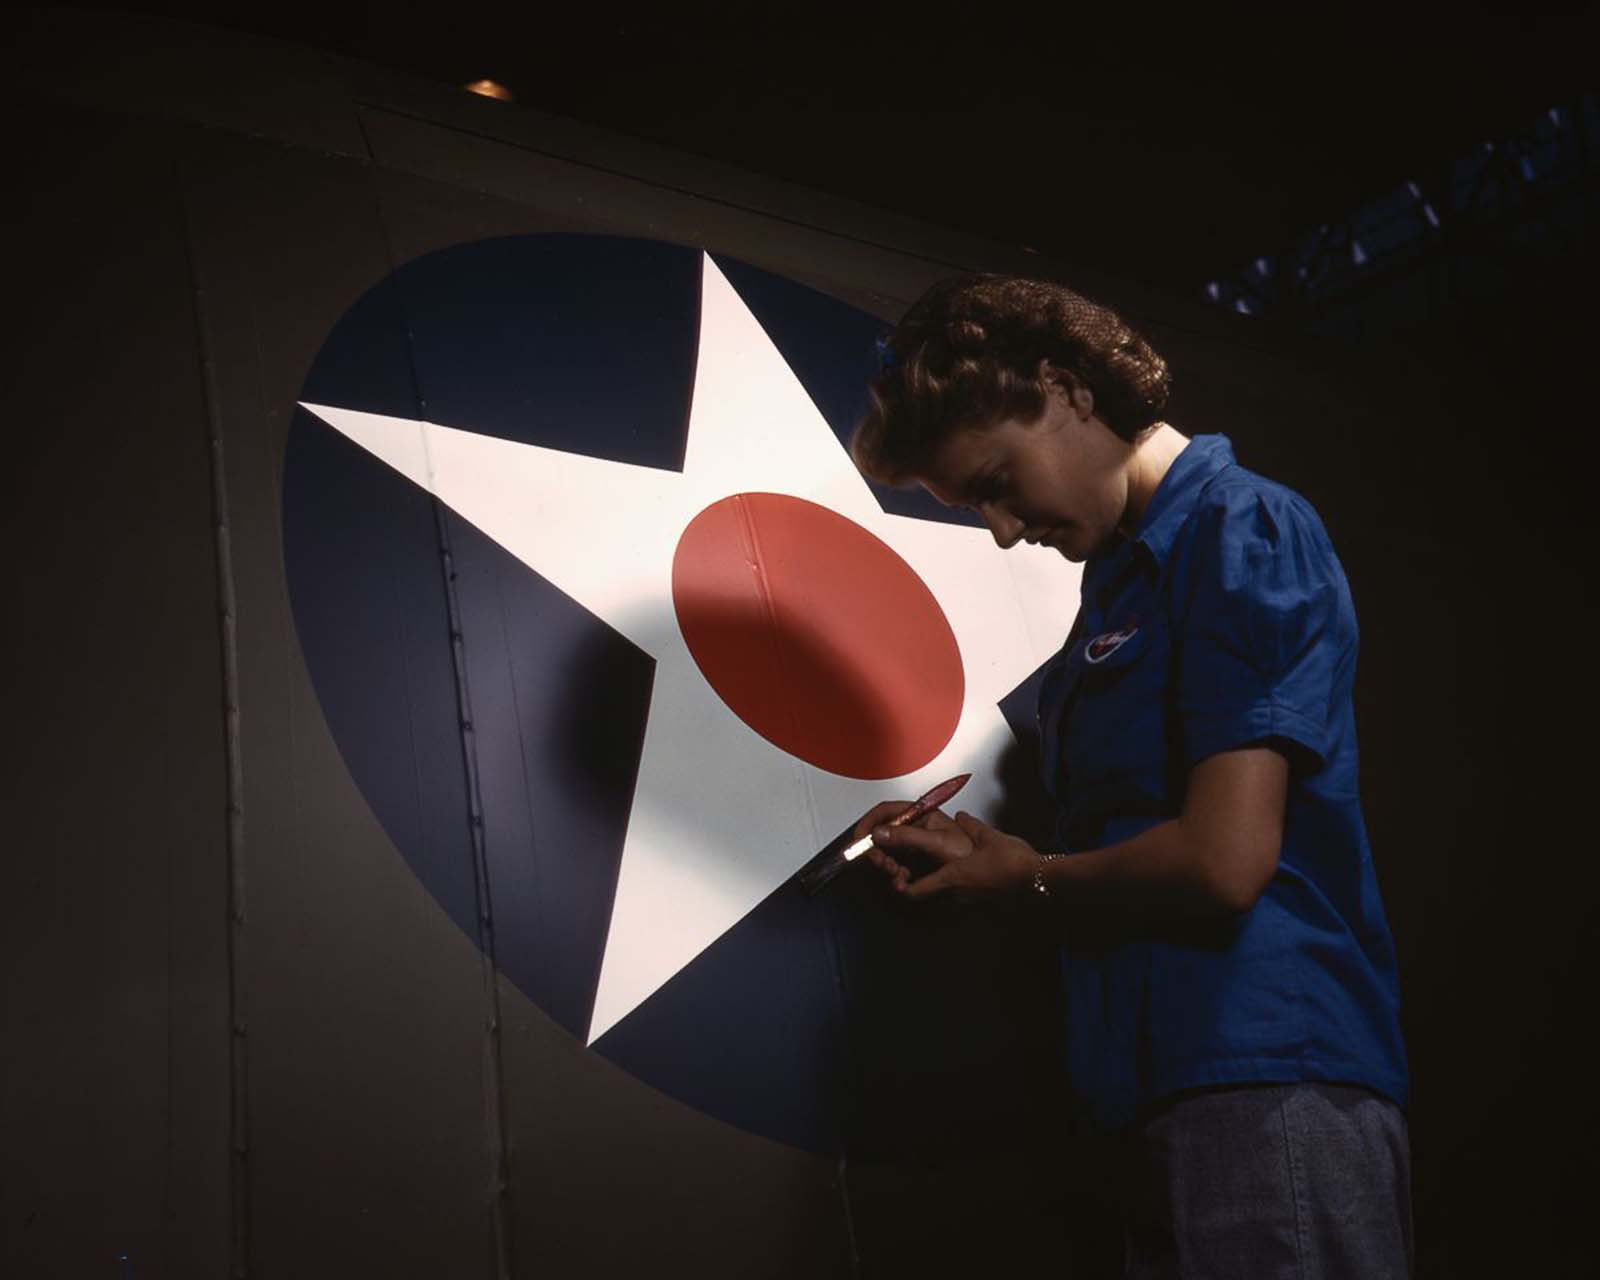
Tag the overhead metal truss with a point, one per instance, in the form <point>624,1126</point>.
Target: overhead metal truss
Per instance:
<point>1454,230</point>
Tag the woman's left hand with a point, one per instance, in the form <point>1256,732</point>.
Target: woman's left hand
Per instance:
<point>973,856</point>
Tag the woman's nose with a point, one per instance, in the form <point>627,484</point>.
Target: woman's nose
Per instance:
<point>1005,527</point>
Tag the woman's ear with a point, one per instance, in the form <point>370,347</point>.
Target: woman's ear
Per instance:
<point>1073,388</point>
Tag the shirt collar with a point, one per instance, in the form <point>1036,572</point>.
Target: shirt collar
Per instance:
<point>1179,490</point>
<point>1173,500</point>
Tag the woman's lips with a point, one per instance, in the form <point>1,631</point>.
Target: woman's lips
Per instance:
<point>1051,538</point>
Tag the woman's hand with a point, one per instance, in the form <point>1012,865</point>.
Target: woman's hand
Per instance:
<point>973,856</point>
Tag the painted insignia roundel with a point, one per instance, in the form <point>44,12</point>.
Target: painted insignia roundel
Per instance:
<point>576,553</point>
<point>776,596</point>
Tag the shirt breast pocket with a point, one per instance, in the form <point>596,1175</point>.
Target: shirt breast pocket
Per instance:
<point>1117,721</point>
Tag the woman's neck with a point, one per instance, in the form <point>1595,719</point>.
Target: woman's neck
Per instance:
<point>1153,455</point>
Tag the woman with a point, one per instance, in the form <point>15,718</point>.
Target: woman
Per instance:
<point>1231,993</point>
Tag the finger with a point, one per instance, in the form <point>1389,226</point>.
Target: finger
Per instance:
<point>878,815</point>
<point>936,820</point>
<point>942,845</point>
<point>883,862</point>
<point>932,883</point>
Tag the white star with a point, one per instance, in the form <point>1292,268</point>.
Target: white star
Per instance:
<point>720,815</point>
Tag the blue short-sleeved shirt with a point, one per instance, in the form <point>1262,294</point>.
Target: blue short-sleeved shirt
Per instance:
<point>1225,622</point>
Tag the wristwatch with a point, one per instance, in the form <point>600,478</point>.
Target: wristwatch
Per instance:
<point>1038,874</point>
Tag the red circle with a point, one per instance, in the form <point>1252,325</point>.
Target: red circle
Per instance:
<point>817,635</point>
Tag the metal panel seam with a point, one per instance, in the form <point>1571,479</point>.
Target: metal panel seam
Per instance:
<point>494,1091</point>
<point>227,622</point>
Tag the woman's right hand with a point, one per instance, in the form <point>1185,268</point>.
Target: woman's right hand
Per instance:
<point>899,875</point>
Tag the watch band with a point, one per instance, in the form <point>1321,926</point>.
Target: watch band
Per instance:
<point>1038,874</point>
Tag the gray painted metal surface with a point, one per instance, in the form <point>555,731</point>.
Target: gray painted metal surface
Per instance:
<point>241,1036</point>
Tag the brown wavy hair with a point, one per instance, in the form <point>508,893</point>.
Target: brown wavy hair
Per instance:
<point>968,355</point>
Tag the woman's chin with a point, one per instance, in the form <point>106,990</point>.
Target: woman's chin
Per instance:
<point>1066,541</point>
<point>1068,549</point>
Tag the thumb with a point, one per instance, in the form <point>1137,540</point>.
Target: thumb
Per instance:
<point>974,827</point>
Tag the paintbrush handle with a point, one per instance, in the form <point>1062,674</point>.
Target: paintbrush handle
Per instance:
<point>930,800</point>
<point>831,864</point>
<point>919,808</point>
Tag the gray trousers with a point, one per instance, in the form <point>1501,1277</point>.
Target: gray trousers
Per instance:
<point>1303,1181</point>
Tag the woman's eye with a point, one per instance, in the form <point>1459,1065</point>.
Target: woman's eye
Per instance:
<point>986,488</point>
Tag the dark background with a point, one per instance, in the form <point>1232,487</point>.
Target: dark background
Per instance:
<point>1162,147</point>
<point>1170,155</point>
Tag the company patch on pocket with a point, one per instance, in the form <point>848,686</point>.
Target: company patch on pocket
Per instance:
<point>1103,646</point>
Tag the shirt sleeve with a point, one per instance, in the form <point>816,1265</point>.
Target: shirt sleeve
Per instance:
<point>1268,636</point>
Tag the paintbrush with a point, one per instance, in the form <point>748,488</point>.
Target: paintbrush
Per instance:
<point>831,861</point>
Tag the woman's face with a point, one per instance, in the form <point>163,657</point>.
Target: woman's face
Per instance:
<point>1061,481</point>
